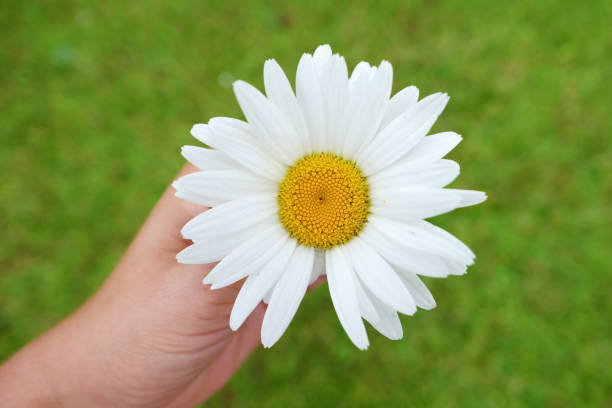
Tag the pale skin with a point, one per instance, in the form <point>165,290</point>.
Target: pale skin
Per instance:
<point>152,335</point>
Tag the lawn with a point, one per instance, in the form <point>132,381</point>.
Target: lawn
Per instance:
<point>96,99</point>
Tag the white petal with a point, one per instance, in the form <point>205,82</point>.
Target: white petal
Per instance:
<point>399,103</point>
<point>321,57</point>
<point>366,307</point>
<point>201,132</point>
<point>456,268</point>
<point>414,236</point>
<point>335,91</point>
<point>208,159</point>
<point>402,134</point>
<point>244,129</point>
<point>378,276</point>
<point>247,258</point>
<point>388,324</point>
<point>268,295</point>
<point>341,281</point>
<point>409,174</point>
<point>259,283</point>
<point>231,217</point>
<point>448,237</point>
<point>205,252</point>
<point>369,110</point>
<point>287,295</point>
<point>355,114</point>
<point>192,196</point>
<point>469,197</point>
<point>433,147</point>
<point>230,137</point>
<point>419,291</point>
<point>408,204</point>
<point>361,70</point>
<point>212,188</point>
<point>310,98</point>
<point>406,258</point>
<point>318,267</point>
<point>332,77</point>
<point>270,125</point>
<point>213,249</point>
<point>280,93</point>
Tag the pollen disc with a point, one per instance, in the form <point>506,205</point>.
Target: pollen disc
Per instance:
<point>323,200</point>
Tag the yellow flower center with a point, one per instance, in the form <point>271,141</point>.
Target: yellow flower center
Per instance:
<point>323,200</point>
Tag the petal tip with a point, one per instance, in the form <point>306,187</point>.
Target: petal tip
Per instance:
<point>201,132</point>
<point>323,49</point>
<point>385,64</point>
<point>234,323</point>
<point>270,64</point>
<point>240,85</point>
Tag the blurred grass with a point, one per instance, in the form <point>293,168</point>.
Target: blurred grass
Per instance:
<point>96,100</point>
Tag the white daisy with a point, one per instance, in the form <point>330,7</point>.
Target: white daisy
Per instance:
<point>333,180</point>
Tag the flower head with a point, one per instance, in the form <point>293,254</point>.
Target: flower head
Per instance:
<point>333,180</point>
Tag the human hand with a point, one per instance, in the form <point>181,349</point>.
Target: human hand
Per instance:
<point>153,335</point>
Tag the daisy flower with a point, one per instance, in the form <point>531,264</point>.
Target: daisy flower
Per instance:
<point>335,179</point>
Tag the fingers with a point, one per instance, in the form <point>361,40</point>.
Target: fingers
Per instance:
<point>242,343</point>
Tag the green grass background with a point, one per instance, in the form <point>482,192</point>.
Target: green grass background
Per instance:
<point>96,99</point>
